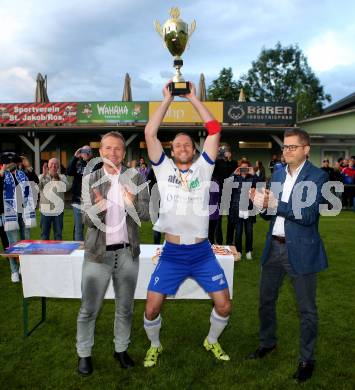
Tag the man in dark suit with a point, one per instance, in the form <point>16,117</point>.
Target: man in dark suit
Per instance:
<point>293,247</point>
<point>224,167</point>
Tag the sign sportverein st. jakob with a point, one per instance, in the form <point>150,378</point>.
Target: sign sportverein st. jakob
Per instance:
<point>37,113</point>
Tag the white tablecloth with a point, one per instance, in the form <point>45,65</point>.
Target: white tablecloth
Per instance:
<point>59,276</point>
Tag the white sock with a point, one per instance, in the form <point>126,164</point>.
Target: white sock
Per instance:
<point>218,323</point>
<point>152,328</point>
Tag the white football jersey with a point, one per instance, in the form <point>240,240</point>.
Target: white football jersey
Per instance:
<point>184,198</point>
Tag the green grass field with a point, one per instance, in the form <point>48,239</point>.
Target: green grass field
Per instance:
<point>47,359</point>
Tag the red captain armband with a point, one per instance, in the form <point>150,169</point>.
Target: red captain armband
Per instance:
<point>213,127</point>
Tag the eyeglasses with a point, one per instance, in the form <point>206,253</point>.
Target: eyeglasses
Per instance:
<point>291,148</point>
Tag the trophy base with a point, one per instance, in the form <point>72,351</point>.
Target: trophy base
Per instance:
<point>179,88</point>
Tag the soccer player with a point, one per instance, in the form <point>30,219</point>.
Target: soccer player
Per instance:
<point>183,217</point>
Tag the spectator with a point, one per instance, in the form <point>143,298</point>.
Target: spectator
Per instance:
<point>76,169</point>
<point>328,169</point>
<point>214,210</point>
<point>224,167</point>
<point>348,174</point>
<point>141,161</point>
<point>51,182</point>
<point>152,180</point>
<point>239,218</point>
<point>337,170</point>
<point>274,160</point>
<point>338,177</point>
<point>17,205</point>
<point>3,236</point>
<point>260,170</point>
<point>143,170</point>
<point>342,162</point>
<point>279,164</point>
<point>132,164</point>
<point>26,166</point>
<point>339,163</point>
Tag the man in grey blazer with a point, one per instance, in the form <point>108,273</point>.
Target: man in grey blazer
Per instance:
<point>293,247</point>
<point>114,200</point>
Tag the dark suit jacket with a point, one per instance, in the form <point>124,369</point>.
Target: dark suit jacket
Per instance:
<point>305,248</point>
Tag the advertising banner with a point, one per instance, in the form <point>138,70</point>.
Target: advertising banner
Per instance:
<point>112,112</point>
<point>37,113</point>
<point>183,112</point>
<point>255,112</point>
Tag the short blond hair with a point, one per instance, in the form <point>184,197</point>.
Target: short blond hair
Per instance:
<point>114,134</point>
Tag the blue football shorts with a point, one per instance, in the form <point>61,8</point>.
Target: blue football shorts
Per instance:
<point>178,262</point>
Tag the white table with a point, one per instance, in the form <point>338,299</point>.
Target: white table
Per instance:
<point>59,276</point>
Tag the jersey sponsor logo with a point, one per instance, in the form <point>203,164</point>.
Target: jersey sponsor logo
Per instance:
<point>173,179</point>
<point>194,184</point>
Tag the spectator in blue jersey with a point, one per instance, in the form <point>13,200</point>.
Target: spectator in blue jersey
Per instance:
<point>17,205</point>
<point>279,164</point>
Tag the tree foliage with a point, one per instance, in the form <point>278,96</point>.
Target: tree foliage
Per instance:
<point>282,74</point>
<point>223,88</point>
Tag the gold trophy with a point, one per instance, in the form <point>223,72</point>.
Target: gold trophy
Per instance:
<point>176,33</point>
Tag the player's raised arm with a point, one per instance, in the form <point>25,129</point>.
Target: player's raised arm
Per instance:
<point>212,125</point>
<point>155,149</point>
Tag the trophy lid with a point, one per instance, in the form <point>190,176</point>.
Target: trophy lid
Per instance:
<point>174,14</point>
<point>175,23</point>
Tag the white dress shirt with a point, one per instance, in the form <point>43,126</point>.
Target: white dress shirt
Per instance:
<point>279,226</point>
<point>116,227</point>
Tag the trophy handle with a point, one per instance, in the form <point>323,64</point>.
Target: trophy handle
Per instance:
<point>192,27</point>
<point>158,28</point>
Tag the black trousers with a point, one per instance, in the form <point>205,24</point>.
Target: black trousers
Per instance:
<point>3,236</point>
<point>156,237</point>
<point>238,227</point>
<point>219,232</point>
<point>246,225</point>
<point>212,230</point>
<point>272,276</point>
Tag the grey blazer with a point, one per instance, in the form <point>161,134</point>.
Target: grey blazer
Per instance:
<point>95,241</point>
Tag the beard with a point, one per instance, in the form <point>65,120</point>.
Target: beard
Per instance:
<point>183,160</point>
